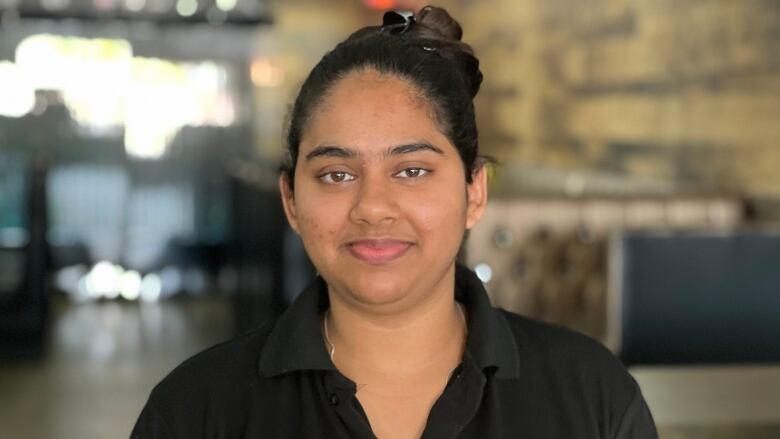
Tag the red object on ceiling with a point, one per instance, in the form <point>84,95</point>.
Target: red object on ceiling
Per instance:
<point>384,5</point>
<point>401,5</point>
<point>381,5</point>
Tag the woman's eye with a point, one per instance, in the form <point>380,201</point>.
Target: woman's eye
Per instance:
<point>412,173</point>
<point>336,177</point>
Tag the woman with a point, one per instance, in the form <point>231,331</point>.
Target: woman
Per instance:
<point>394,339</point>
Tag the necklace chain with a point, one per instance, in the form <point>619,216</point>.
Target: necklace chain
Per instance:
<point>332,347</point>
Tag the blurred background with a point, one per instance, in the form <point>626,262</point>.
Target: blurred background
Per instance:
<point>637,200</point>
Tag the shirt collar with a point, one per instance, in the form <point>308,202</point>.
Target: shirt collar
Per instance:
<point>490,340</point>
<point>295,342</point>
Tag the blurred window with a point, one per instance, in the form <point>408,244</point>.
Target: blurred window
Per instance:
<point>108,90</point>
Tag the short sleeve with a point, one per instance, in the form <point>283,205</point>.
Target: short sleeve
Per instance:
<point>150,423</point>
<point>637,422</point>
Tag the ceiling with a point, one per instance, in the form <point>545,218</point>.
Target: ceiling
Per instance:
<point>234,12</point>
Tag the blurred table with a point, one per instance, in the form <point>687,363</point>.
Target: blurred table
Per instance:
<point>713,402</point>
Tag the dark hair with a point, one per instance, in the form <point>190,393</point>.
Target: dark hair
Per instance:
<point>428,54</point>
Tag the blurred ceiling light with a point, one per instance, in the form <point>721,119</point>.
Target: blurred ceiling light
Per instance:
<point>186,8</point>
<point>135,5</point>
<point>151,288</point>
<point>265,73</point>
<point>149,143</point>
<point>113,293</point>
<point>226,5</point>
<point>55,5</point>
<point>103,280</point>
<point>17,91</point>
<point>130,285</point>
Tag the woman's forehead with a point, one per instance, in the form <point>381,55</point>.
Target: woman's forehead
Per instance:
<point>365,88</point>
<point>368,111</point>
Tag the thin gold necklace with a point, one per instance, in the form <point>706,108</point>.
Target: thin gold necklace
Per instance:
<point>332,348</point>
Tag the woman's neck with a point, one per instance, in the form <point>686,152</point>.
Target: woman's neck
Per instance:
<point>419,342</point>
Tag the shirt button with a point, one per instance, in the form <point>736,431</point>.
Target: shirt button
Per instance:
<point>334,399</point>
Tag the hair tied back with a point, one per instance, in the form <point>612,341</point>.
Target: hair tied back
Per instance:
<point>397,22</point>
<point>438,20</point>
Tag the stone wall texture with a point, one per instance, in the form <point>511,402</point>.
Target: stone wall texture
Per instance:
<point>681,91</point>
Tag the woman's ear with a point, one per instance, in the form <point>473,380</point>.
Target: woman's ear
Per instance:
<point>288,201</point>
<point>477,196</point>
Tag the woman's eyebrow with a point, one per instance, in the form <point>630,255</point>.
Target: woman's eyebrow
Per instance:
<point>331,151</point>
<point>341,152</point>
<point>413,147</point>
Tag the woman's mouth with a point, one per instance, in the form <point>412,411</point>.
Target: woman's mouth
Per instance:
<point>378,251</point>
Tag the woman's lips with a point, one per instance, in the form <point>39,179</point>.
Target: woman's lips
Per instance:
<point>378,251</point>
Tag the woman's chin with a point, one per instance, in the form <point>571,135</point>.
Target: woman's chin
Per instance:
<point>377,291</point>
<point>387,287</point>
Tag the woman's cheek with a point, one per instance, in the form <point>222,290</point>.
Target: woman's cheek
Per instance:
<point>319,212</point>
<point>436,215</point>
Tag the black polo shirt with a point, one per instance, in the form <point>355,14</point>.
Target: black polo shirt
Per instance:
<point>518,379</point>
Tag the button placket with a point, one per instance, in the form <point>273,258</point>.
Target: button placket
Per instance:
<point>340,394</point>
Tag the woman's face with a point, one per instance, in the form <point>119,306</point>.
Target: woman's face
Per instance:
<point>381,200</point>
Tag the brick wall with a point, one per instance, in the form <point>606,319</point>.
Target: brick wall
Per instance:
<point>682,91</point>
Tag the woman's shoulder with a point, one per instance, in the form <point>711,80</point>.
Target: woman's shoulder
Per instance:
<point>566,372</point>
<point>233,360</point>
<point>206,387</point>
<point>551,346</point>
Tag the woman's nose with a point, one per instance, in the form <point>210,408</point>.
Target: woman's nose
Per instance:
<point>374,203</point>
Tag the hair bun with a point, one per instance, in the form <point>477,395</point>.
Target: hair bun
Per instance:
<point>439,20</point>
<point>435,23</point>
